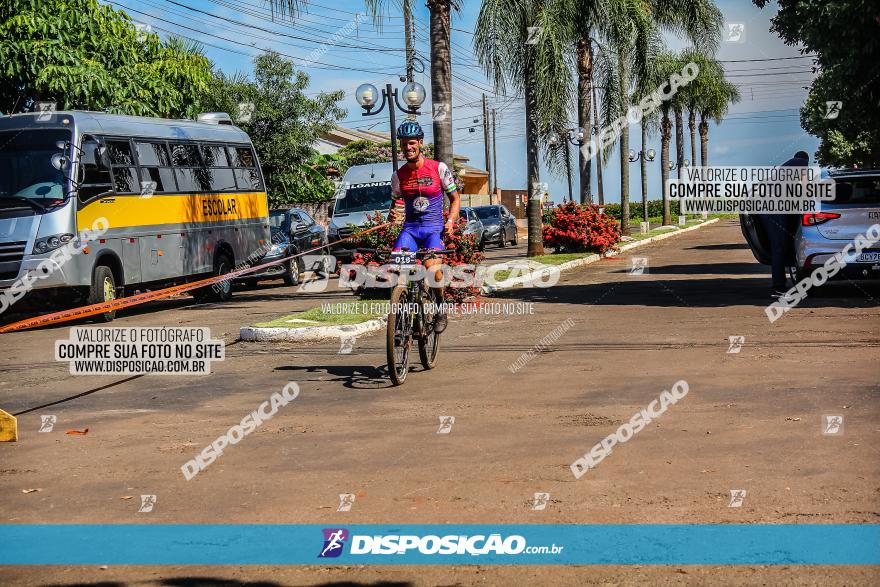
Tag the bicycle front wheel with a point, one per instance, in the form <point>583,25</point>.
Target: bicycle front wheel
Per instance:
<point>429,342</point>
<point>398,337</point>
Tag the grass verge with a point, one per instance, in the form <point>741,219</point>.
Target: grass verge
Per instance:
<point>343,313</point>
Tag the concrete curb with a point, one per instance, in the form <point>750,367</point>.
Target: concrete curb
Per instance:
<point>319,333</point>
<point>528,279</point>
<point>309,333</point>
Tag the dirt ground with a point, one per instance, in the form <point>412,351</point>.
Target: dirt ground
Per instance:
<point>752,420</point>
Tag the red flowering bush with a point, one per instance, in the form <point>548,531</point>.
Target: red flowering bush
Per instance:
<point>466,253</point>
<point>572,228</point>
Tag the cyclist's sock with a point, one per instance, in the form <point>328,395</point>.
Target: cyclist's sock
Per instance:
<point>440,320</point>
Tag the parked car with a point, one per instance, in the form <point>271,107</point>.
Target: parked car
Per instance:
<point>293,231</point>
<point>365,191</point>
<point>816,237</point>
<point>499,223</point>
<point>474,226</point>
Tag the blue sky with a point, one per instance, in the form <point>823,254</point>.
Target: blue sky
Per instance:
<point>341,50</point>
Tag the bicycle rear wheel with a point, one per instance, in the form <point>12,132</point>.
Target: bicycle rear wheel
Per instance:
<point>398,335</point>
<point>429,342</point>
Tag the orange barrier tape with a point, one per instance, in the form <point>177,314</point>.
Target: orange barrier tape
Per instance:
<point>85,311</point>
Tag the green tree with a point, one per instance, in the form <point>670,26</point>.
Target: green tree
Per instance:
<point>844,36</point>
<point>284,124</point>
<point>617,25</point>
<point>85,55</point>
<point>714,96</point>
<point>520,45</point>
<point>667,64</point>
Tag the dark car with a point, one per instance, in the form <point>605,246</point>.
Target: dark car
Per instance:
<point>474,226</point>
<point>293,231</point>
<point>499,223</point>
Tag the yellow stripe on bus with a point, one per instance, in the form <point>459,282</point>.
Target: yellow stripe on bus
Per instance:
<point>134,210</point>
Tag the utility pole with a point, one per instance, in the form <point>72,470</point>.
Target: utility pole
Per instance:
<point>486,139</point>
<point>408,39</point>
<point>494,174</point>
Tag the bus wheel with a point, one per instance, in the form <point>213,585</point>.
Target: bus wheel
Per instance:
<point>222,266</point>
<point>220,291</point>
<point>103,289</point>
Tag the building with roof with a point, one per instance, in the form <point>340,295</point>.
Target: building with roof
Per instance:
<point>475,180</point>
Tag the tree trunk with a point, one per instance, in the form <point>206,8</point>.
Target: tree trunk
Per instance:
<point>665,137</point>
<point>533,209</point>
<point>679,142</point>
<point>644,163</point>
<point>441,80</point>
<point>624,154</point>
<point>624,181</point>
<point>585,89</point>
<point>408,38</point>
<point>692,125</point>
<point>704,142</point>
<point>599,151</point>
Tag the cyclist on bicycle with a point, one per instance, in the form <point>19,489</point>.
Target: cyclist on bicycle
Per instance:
<point>419,186</point>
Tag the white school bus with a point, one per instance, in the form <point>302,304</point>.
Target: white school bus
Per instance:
<point>180,200</point>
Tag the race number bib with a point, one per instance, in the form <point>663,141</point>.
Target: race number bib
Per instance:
<point>420,204</point>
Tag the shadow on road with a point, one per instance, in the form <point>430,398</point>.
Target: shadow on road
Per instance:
<point>351,376</point>
<point>719,247</point>
<point>706,269</point>
<point>696,293</point>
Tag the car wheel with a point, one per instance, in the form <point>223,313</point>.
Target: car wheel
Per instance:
<point>103,289</point>
<point>503,242</point>
<point>515,240</point>
<point>292,272</point>
<point>482,245</point>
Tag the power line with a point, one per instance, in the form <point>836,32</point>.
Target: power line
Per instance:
<point>326,65</point>
<point>767,59</point>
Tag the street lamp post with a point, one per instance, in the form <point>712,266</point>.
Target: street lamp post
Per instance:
<point>413,96</point>
<point>575,136</point>
<point>644,156</point>
<point>685,163</point>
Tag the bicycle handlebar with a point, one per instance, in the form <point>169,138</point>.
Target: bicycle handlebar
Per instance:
<point>421,253</point>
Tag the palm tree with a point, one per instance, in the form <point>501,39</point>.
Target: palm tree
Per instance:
<point>612,22</point>
<point>716,96</point>
<point>441,76</point>
<point>666,65</point>
<point>520,44</point>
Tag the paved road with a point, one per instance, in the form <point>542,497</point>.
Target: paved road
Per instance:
<point>752,421</point>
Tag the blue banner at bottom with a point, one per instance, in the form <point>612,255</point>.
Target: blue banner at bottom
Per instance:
<point>525,544</point>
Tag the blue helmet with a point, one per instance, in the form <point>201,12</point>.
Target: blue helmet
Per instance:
<point>410,129</point>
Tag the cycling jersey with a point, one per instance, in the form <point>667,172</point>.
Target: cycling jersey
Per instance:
<point>421,191</point>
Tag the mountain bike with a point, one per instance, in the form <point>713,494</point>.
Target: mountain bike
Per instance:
<point>413,306</point>
<point>411,316</point>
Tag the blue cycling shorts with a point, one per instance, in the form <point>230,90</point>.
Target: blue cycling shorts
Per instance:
<point>414,238</point>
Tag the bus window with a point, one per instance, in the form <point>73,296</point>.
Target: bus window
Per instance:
<point>191,175</point>
<point>220,175</point>
<point>95,174</point>
<point>125,174</point>
<point>246,173</point>
<point>156,166</point>
<point>215,156</point>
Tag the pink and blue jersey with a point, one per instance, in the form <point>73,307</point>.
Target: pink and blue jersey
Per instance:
<point>421,191</point>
